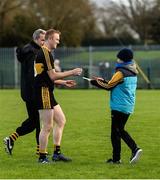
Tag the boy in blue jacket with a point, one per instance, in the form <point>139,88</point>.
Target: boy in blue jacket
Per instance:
<point>122,100</point>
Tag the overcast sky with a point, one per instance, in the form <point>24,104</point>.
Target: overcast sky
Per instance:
<point>98,2</point>
<point>101,2</point>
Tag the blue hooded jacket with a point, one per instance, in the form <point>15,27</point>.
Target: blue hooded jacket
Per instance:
<point>123,95</point>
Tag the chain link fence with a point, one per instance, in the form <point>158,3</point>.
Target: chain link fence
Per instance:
<point>95,61</point>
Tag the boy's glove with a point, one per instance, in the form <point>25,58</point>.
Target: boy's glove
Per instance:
<point>99,82</point>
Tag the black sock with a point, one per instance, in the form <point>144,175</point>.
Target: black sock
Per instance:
<point>42,155</point>
<point>57,149</point>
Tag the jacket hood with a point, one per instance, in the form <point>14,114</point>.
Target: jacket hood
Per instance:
<point>131,66</point>
<point>28,48</point>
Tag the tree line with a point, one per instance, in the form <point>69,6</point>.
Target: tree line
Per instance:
<point>81,22</point>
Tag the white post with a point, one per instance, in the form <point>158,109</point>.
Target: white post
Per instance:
<point>90,63</point>
<point>15,69</point>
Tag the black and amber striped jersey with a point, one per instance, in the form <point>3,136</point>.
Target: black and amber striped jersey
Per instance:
<point>43,63</point>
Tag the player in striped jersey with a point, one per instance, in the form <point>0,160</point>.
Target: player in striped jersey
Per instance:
<point>49,110</point>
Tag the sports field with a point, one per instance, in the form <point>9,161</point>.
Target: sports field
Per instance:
<point>86,138</point>
<point>111,55</point>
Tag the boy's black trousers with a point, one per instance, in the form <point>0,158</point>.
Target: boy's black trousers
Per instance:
<point>118,132</point>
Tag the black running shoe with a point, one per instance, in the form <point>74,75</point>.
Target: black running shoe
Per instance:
<point>60,157</point>
<point>135,155</point>
<point>43,160</point>
<point>8,145</point>
<point>111,161</point>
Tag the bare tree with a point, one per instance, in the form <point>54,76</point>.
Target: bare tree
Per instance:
<point>72,17</point>
<point>155,30</point>
<point>6,7</point>
<point>132,16</point>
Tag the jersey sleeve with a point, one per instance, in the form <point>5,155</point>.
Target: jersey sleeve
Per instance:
<point>48,60</point>
<point>116,79</point>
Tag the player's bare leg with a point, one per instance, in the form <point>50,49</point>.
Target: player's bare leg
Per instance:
<point>46,117</point>
<point>59,123</point>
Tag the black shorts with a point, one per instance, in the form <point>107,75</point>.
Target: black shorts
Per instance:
<point>45,98</point>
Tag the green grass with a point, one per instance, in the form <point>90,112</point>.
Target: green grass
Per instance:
<point>86,138</point>
<point>111,55</point>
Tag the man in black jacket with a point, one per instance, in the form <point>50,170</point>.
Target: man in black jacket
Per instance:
<point>26,56</point>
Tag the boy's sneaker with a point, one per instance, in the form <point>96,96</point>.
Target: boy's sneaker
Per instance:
<point>43,160</point>
<point>8,145</point>
<point>60,157</point>
<point>111,161</point>
<point>135,155</point>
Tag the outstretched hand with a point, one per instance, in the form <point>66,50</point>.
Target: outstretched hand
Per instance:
<point>77,71</point>
<point>70,83</point>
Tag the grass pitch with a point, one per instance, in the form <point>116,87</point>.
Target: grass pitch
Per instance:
<point>86,138</point>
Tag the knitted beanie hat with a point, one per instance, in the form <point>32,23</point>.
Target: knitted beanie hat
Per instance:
<point>125,55</point>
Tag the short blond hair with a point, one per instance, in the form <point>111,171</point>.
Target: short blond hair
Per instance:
<point>50,32</point>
